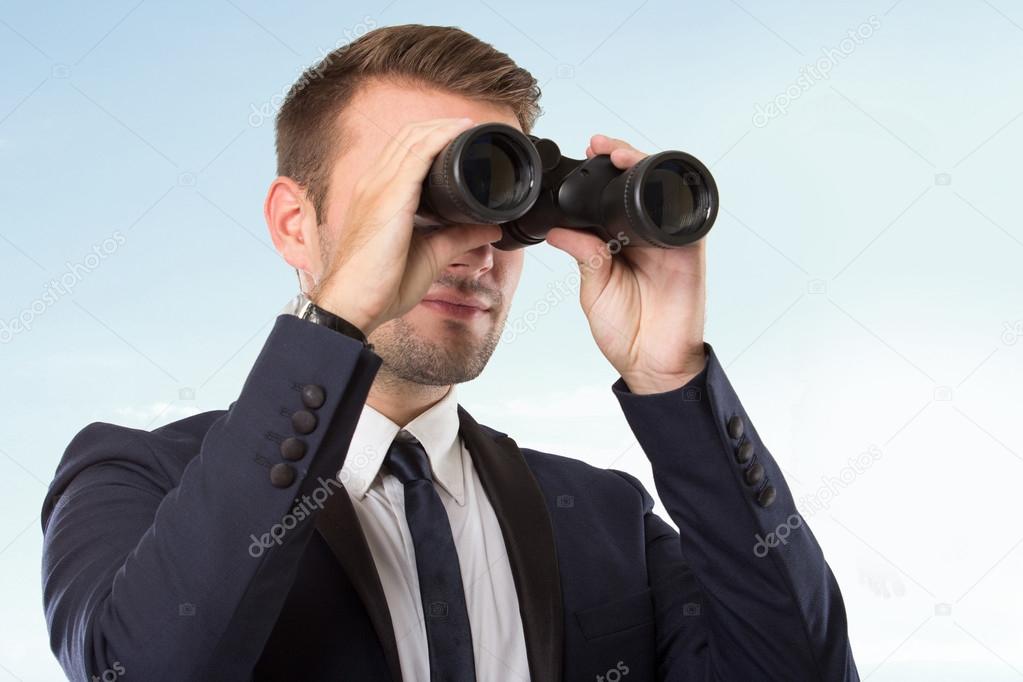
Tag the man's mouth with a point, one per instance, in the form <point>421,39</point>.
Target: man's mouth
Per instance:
<point>456,305</point>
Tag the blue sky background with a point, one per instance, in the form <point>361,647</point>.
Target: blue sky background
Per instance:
<point>865,287</point>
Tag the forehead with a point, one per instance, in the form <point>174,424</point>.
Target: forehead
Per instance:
<point>380,108</point>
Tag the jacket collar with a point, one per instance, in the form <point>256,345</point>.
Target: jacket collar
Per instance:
<point>437,430</point>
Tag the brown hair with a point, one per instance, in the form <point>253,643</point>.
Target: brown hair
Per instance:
<point>440,56</point>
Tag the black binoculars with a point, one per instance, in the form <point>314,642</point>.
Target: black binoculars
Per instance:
<point>495,174</point>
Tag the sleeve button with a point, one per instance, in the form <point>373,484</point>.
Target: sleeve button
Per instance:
<point>293,448</point>
<point>303,421</point>
<point>282,475</point>
<point>745,452</point>
<point>755,474</point>
<point>735,427</point>
<point>766,496</point>
<point>313,396</point>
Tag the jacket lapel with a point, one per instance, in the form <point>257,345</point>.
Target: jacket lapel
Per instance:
<point>340,527</point>
<point>525,523</point>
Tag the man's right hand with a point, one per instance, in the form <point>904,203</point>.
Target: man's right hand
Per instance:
<point>382,267</point>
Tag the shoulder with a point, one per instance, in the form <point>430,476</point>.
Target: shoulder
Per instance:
<point>156,458</point>
<point>556,472</point>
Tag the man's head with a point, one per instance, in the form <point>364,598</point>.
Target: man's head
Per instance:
<point>332,126</point>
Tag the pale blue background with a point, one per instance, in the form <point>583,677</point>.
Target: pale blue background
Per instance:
<point>855,301</point>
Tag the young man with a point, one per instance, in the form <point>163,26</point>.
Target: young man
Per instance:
<point>224,547</point>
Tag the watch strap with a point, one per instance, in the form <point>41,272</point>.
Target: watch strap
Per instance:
<point>314,313</point>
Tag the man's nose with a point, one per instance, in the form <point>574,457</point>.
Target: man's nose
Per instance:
<point>474,262</point>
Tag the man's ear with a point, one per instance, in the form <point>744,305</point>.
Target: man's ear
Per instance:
<point>291,220</point>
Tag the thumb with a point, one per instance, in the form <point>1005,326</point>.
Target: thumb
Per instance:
<point>592,256</point>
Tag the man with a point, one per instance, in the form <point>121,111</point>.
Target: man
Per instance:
<point>223,546</point>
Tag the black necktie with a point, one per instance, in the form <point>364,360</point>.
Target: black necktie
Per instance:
<point>440,580</point>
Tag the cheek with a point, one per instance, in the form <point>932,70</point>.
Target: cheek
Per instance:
<point>511,271</point>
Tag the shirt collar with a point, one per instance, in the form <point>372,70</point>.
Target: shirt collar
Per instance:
<point>436,429</point>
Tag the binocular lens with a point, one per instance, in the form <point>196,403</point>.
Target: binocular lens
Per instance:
<point>675,197</point>
<point>488,174</point>
<point>492,170</point>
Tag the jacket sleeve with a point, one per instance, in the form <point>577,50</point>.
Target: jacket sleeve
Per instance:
<point>155,578</point>
<point>745,593</point>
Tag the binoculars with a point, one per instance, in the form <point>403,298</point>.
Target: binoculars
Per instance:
<point>494,174</point>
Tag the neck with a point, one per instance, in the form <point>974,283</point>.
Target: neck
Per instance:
<point>402,401</point>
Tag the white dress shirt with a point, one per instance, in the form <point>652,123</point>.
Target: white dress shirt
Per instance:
<point>499,645</point>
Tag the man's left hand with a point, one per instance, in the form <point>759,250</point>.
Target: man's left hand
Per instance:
<point>645,305</point>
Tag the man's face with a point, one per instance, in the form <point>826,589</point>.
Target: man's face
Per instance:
<point>428,344</point>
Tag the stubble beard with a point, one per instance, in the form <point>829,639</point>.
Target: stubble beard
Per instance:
<point>409,357</point>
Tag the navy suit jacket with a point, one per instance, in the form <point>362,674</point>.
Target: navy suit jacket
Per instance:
<point>156,563</point>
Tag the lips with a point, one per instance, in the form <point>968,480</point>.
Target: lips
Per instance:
<point>464,301</point>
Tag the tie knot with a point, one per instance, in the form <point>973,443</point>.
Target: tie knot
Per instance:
<point>407,460</point>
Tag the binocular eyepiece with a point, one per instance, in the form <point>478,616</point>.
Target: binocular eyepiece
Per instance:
<point>495,174</point>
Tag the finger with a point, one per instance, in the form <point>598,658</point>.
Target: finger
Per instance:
<point>626,158</point>
<point>397,147</point>
<point>395,150</point>
<point>422,149</point>
<point>591,255</point>
<point>410,141</point>
<point>602,144</point>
